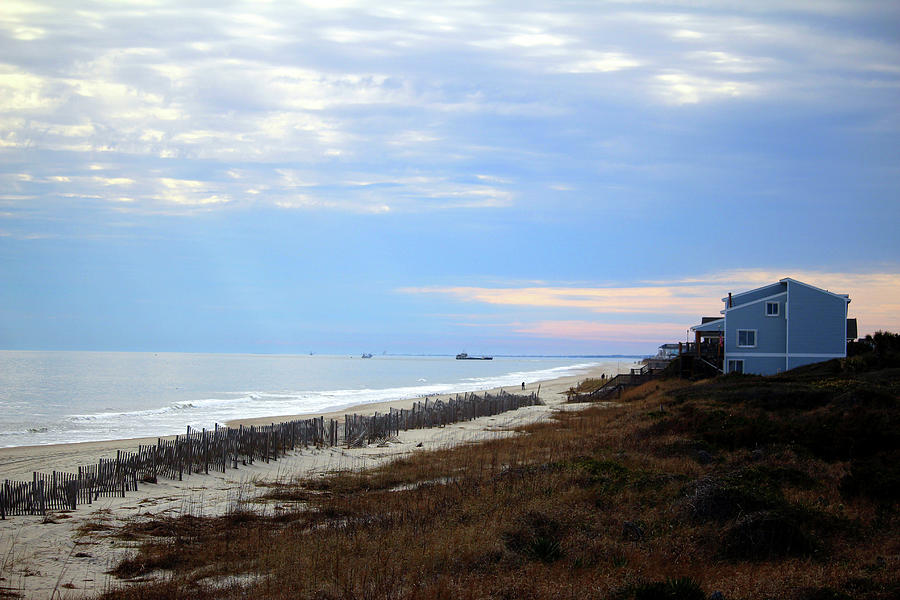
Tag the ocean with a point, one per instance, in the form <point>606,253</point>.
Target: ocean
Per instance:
<point>64,397</point>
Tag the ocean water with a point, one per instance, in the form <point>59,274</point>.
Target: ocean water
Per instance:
<point>62,397</point>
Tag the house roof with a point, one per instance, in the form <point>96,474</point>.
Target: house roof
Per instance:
<point>818,289</point>
<point>717,325</point>
<point>735,297</point>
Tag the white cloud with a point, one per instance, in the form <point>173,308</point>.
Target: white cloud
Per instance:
<point>684,88</point>
<point>332,90</point>
<point>189,193</point>
<point>601,62</point>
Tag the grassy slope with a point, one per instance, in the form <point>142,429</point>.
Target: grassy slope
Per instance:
<point>758,487</point>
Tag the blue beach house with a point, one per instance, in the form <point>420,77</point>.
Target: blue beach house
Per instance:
<point>780,326</point>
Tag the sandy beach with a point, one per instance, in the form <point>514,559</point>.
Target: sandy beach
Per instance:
<point>41,555</point>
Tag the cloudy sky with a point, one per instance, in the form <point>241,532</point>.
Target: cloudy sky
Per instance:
<point>503,177</point>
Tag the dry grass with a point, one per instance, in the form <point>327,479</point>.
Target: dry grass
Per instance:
<point>620,502</point>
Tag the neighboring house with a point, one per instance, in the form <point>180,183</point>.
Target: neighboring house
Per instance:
<point>668,351</point>
<point>780,326</point>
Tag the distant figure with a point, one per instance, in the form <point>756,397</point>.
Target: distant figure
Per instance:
<point>523,385</point>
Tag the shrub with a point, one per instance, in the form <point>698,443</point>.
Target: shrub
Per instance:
<point>535,536</point>
<point>723,497</point>
<point>765,535</point>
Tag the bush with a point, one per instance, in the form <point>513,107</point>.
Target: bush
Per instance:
<point>765,535</point>
<point>723,497</point>
<point>537,537</point>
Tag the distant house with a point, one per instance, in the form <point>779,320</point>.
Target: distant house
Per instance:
<point>780,326</point>
<point>668,351</point>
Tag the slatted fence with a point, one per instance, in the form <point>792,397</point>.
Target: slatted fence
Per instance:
<point>230,447</point>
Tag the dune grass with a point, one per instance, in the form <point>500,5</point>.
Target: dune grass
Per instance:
<point>680,490</point>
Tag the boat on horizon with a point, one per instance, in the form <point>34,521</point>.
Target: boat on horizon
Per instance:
<point>464,356</point>
<point>367,355</point>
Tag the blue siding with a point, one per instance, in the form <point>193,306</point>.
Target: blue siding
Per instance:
<point>763,292</point>
<point>763,365</point>
<point>816,322</point>
<point>770,331</point>
<point>799,361</point>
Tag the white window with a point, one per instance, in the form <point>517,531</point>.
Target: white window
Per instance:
<point>746,338</point>
<point>771,309</point>
<point>735,366</point>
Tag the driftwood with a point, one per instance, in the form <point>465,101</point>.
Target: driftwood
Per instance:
<point>231,447</point>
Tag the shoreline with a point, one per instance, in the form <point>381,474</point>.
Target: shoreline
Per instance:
<point>19,462</point>
<point>75,549</point>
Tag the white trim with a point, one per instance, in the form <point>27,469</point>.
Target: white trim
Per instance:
<point>845,332</point>
<point>787,326</point>
<point>765,299</point>
<point>777,306</point>
<point>737,342</point>
<point>782,355</point>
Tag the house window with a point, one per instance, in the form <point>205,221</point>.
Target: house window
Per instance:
<point>735,366</point>
<point>771,309</point>
<point>746,338</point>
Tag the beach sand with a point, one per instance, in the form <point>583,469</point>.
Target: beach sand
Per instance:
<point>40,555</point>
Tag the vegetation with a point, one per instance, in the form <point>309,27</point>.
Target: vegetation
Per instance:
<point>752,487</point>
<point>586,386</point>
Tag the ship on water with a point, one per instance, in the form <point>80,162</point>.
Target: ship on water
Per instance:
<point>464,356</point>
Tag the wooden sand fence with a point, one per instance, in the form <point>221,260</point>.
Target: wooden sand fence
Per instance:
<point>228,447</point>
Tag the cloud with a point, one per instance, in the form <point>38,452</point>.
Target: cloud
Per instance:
<point>625,300</point>
<point>672,306</point>
<point>372,89</point>
<point>594,331</point>
<point>187,192</point>
<point>600,62</point>
<point>684,88</point>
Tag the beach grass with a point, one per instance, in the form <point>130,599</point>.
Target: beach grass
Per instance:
<point>678,490</point>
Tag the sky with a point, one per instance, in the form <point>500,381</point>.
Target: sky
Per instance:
<point>505,177</point>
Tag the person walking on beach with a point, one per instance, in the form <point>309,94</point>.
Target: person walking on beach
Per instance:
<point>523,385</point>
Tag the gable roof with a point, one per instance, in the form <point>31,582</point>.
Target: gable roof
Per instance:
<point>818,289</point>
<point>715,325</point>
<point>734,297</point>
<point>784,280</point>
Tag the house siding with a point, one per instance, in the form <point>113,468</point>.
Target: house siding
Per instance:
<point>760,365</point>
<point>810,327</point>
<point>798,361</point>
<point>770,331</point>
<point>816,323</point>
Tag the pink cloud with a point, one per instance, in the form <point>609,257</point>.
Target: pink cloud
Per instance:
<point>605,332</point>
<point>875,302</point>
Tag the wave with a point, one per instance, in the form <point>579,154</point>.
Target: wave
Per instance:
<point>204,412</point>
<point>256,403</point>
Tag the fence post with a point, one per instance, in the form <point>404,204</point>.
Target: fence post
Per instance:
<point>38,485</point>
